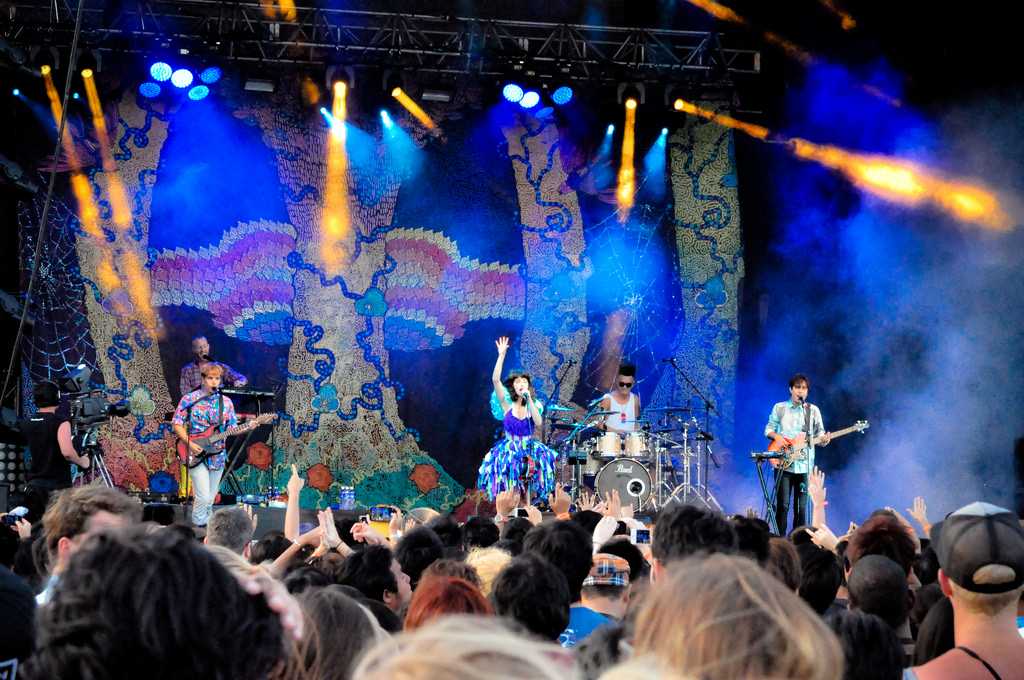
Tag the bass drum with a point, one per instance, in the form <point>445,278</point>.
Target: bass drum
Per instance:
<point>627,476</point>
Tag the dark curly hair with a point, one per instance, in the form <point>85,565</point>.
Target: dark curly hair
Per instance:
<point>509,382</point>
<point>153,604</point>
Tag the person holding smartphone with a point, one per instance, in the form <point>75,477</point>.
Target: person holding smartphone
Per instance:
<point>519,461</point>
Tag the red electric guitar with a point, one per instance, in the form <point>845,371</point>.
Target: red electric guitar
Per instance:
<point>791,448</point>
<point>210,437</point>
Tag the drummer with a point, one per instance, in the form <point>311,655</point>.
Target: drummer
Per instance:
<point>623,404</point>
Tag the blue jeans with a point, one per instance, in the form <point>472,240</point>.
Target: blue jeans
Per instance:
<point>795,484</point>
<point>205,484</point>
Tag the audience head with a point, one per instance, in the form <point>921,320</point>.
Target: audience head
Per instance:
<point>488,563</point>
<point>269,547</point>
<point>871,649</point>
<point>587,519</point>
<point>450,533</point>
<point>442,596</point>
<point>417,550</point>
<point>232,561</point>
<point>926,566</point>
<point>455,569</point>
<point>567,546</point>
<point>684,530</point>
<point>377,575</point>
<point>306,577</point>
<point>342,629</point>
<point>752,534</point>
<point>639,569</point>
<point>75,514</point>
<point>422,516</point>
<point>883,534</point>
<point>480,532</point>
<point>981,555</point>
<point>784,562</point>
<point>119,610</point>
<point>535,594</point>
<point>231,528</point>
<point>464,648</point>
<point>925,598</point>
<point>607,583</point>
<point>935,634</point>
<point>820,576</point>
<point>878,586</point>
<point>513,533</point>
<point>731,619</point>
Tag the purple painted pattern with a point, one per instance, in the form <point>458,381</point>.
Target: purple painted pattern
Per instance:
<point>244,281</point>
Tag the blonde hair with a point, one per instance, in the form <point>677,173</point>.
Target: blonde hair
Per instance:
<point>210,369</point>
<point>465,648</point>
<point>984,604</point>
<point>233,562</point>
<point>488,562</point>
<point>723,616</point>
<point>641,668</point>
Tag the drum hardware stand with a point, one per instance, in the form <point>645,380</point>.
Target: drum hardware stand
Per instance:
<point>706,498</point>
<point>759,459</point>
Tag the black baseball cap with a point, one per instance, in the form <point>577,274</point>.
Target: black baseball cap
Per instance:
<point>976,536</point>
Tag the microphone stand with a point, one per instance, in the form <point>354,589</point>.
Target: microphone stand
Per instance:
<point>709,408</point>
<point>554,395</point>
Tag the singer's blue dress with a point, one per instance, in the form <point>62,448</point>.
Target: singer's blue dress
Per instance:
<point>518,461</point>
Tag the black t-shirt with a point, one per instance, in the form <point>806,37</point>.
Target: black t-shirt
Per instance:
<point>47,462</point>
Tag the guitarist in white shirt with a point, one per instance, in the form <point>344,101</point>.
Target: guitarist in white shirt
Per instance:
<point>790,420</point>
<point>197,412</point>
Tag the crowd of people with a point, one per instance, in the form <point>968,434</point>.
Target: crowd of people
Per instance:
<point>93,591</point>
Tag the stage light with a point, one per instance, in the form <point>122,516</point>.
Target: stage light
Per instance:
<point>626,189</point>
<point>678,104</point>
<point>160,71</point>
<point>45,69</point>
<point>211,74</point>
<point>75,95</point>
<point>198,92</point>
<point>512,93</point>
<point>631,103</point>
<point>182,78</point>
<point>412,107</point>
<point>87,73</point>
<point>545,112</point>
<point>664,132</point>
<point>610,130</point>
<point>386,119</point>
<point>16,92</point>
<point>562,95</point>
<point>149,90</point>
<point>530,99</point>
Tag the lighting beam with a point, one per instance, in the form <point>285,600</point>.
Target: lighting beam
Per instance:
<point>336,220</point>
<point>626,190</point>
<point>412,107</point>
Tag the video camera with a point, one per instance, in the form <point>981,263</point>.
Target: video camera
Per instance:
<point>89,407</point>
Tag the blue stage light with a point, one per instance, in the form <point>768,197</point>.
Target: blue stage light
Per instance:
<point>198,92</point>
<point>512,92</point>
<point>182,78</point>
<point>664,131</point>
<point>545,112</point>
<point>386,119</point>
<point>610,130</point>
<point>529,100</point>
<point>149,90</point>
<point>75,95</point>
<point>160,71</point>
<point>562,95</point>
<point>16,92</point>
<point>211,74</point>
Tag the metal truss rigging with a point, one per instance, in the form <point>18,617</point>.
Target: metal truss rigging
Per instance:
<point>248,31</point>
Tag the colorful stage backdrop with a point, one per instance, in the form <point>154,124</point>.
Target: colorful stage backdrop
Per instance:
<point>504,225</point>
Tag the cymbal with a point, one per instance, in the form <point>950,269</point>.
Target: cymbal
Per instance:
<point>594,414</point>
<point>668,409</point>
<point>563,424</point>
<point>555,408</point>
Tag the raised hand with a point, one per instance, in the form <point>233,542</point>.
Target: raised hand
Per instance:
<point>613,504</point>
<point>587,501</point>
<point>823,537</point>
<point>816,487</point>
<point>364,533</point>
<point>506,501</point>
<point>253,517</point>
<point>295,483</point>
<point>502,345</point>
<point>920,514</point>
<point>396,523</point>
<point>559,501</point>
<point>330,529</point>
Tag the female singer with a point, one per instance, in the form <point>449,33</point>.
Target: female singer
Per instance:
<point>518,461</point>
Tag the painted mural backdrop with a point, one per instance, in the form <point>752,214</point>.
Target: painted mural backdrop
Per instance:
<point>382,370</point>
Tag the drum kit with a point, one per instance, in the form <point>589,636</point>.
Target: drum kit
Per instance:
<point>662,461</point>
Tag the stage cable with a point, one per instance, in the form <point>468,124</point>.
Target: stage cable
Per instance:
<point>47,202</point>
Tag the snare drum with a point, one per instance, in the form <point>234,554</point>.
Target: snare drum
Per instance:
<point>636,445</point>
<point>609,446</point>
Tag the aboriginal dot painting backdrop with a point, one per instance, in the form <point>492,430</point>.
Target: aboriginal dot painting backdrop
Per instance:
<point>503,224</point>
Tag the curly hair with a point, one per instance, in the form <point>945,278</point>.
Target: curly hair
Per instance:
<point>439,596</point>
<point>135,603</point>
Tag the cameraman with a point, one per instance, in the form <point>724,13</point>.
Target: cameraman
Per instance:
<point>48,435</point>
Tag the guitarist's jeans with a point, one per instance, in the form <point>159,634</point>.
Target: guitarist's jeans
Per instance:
<point>205,483</point>
<point>795,484</point>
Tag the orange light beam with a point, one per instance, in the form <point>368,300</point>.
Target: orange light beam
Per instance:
<point>723,13</point>
<point>115,187</point>
<point>412,107</point>
<point>336,221</point>
<point>845,19</point>
<point>626,191</point>
<point>893,179</point>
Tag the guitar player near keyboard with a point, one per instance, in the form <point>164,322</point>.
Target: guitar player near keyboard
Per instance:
<point>795,427</point>
<point>200,411</point>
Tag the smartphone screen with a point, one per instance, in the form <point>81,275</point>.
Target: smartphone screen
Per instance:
<point>380,513</point>
<point>642,536</point>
